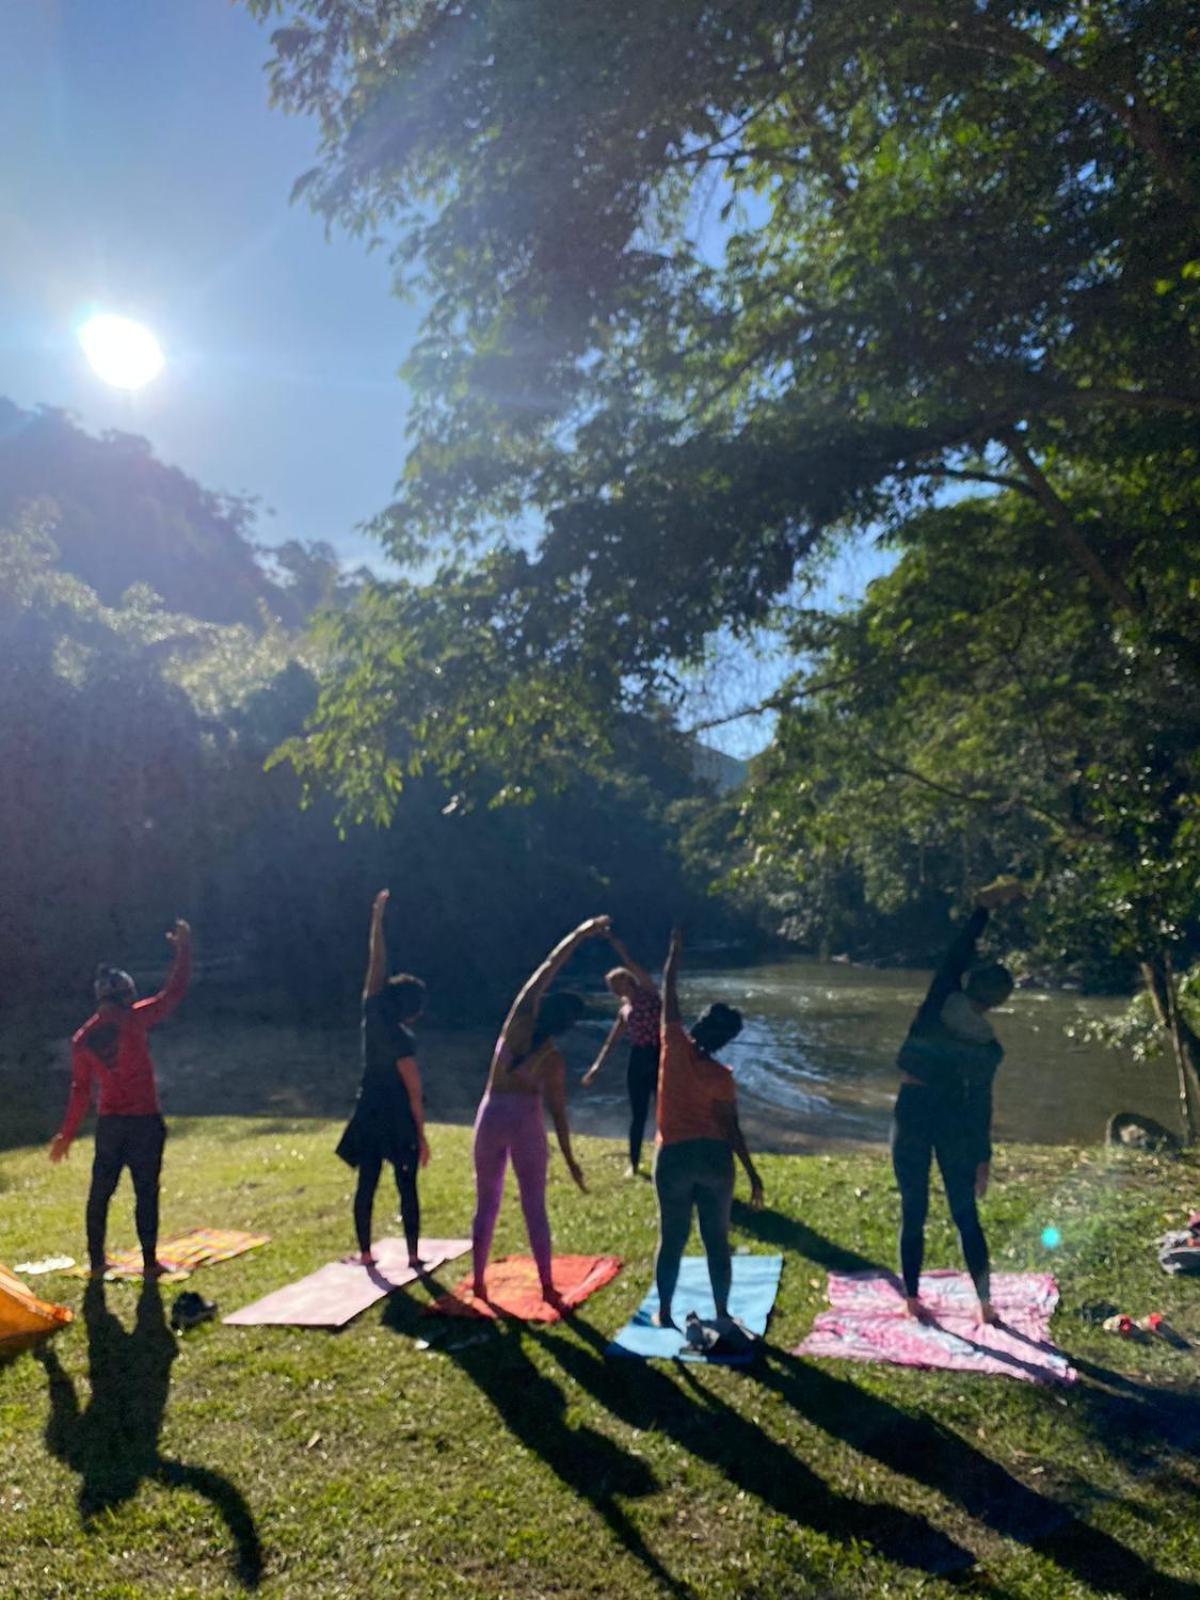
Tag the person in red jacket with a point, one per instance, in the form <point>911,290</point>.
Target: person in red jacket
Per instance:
<point>110,1052</point>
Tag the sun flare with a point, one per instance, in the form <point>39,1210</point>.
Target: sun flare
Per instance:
<point>121,352</point>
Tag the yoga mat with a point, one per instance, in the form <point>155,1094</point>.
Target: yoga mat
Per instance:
<point>181,1254</point>
<point>337,1292</point>
<point>513,1289</point>
<point>755,1284</point>
<point>867,1321</point>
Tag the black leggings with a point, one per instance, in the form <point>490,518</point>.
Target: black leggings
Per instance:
<point>136,1143</point>
<point>921,1129</point>
<point>404,1165</point>
<point>641,1079</point>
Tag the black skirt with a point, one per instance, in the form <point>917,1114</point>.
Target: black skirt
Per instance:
<point>383,1135</point>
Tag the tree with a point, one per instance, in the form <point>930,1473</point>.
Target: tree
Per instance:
<point>983,710</point>
<point>708,283</point>
<point>123,518</point>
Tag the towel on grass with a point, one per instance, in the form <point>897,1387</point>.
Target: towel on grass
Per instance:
<point>181,1254</point>
<point>755,1285</point>
<point>340,1290</point>
<point>513,1289</point>
<point>867,1321</point>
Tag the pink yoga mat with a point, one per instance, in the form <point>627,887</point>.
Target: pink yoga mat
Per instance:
<point>331,1296</point>
<point>867,1321</point>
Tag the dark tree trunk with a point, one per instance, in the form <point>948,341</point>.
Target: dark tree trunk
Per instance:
<point>1159,976</point>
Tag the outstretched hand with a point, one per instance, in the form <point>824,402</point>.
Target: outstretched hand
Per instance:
<point>756,1195</point>
<point>180,933</point>
<point>595,927</point>
<point>379,904</point>
<point>60,1149</point>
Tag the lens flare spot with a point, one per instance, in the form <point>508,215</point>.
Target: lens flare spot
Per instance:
<point>121,352</point>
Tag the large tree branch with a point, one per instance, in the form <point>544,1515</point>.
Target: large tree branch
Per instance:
<point>1124,101</point>
<point>1076,545</point>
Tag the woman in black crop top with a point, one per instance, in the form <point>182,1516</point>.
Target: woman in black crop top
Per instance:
<point>388,1122</point>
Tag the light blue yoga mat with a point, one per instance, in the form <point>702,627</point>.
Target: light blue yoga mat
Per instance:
<point>755,1282</point>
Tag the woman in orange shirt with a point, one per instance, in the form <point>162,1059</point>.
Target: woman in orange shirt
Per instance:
<point>698,1137</point>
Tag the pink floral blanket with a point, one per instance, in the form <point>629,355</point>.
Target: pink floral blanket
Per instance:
<point>867,1322</point>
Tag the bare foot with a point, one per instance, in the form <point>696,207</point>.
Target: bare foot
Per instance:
<point>989,1314</point>
<point>919,1313</point>
<point>662,1319</point>
<point>477,1289</point>
<point>415,1264</point>
<point>154,1269</point>
<point>359,1258</point>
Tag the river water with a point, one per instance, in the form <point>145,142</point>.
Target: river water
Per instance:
<point>814,1063</point>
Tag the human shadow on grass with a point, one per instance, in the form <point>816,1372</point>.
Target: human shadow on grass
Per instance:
<point>1135,1419</point>
<point>647,1398</point>
<point>775,1228</point>
<point>588,1463</point>
<point>113,1444</point>
<point>916,1447</point>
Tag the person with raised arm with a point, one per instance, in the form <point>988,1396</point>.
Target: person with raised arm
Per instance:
<point>527,1072</point>
<point>388,1123</point>
<point>111,1053</point>
<point>638,1017</point>
<point>698,1136</point>
<point>944,1107</point>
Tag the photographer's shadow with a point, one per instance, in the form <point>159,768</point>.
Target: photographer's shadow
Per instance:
<point>113,1444</point>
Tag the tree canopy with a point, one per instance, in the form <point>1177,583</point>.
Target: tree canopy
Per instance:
<point>708,283</point>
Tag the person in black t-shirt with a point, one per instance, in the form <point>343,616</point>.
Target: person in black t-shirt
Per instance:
<point>944,1107</point>
<point>388,1123</point>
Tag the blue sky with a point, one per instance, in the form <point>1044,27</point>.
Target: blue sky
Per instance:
<point>146,174</point>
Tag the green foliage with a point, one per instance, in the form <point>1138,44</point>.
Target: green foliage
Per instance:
<point>706,285</point>
<point>1137,1029</point>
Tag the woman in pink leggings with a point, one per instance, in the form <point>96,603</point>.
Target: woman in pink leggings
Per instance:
<point>527,1070</point>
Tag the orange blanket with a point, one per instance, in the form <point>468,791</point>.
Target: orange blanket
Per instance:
<point>512,1289</point>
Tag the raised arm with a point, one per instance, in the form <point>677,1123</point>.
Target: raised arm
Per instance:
<point>540,979</point>
<point>554,1088</point>
<point>670,978</point>
<point>376,948</point>
<point>606,1049</point>
<point>160,1006</point>
<point>641,976</point>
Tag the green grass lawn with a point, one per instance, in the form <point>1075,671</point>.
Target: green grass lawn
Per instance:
<point>356,1464</point>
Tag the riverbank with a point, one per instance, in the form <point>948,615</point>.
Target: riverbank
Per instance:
<point>815,1062</point>
<point>525,1465</point>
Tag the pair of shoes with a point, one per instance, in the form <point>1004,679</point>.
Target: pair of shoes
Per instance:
<point>722,1336</point>
<point>189,1310</point>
